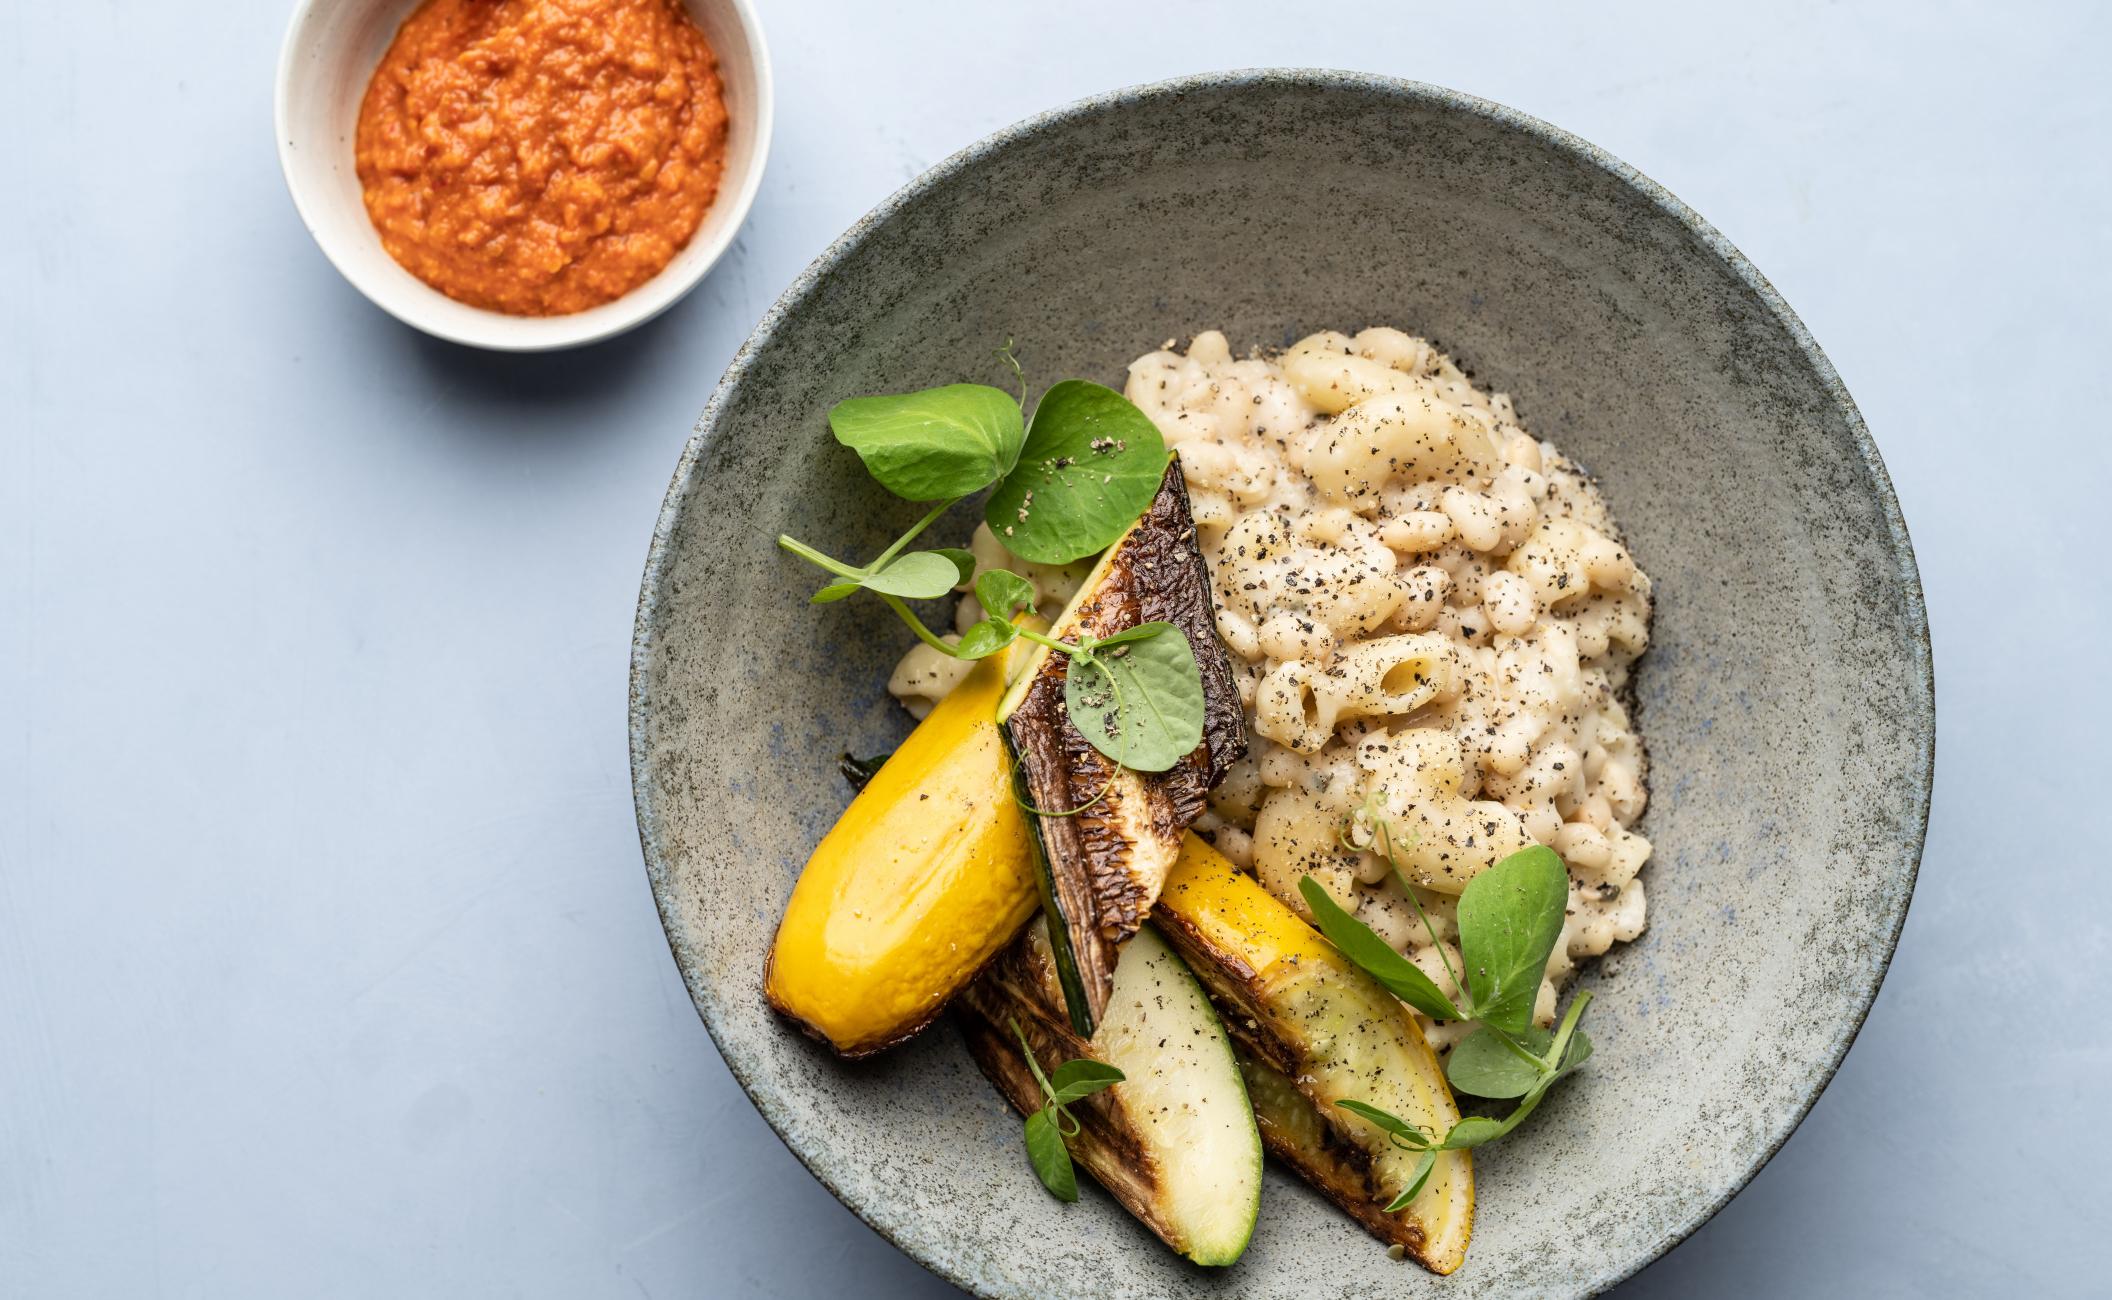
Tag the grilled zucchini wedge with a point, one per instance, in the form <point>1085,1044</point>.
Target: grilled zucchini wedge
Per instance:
<point>1101,868</point>
<point>1313,1029</point>
<point>1175,1142</point>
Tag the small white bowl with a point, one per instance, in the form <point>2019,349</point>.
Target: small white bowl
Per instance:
<point>331,51</point>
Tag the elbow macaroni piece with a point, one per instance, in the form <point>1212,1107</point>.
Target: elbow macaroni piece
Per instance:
<point>1444,838</point>
<point>924,677</point>
<point>1299,706</point>
<point>1408,431</point>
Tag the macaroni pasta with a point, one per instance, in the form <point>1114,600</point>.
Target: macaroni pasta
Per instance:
<point>1430,614</point>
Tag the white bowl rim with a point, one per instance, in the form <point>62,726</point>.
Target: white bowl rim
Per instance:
<point>545,333</point>
<point>709,1001</point>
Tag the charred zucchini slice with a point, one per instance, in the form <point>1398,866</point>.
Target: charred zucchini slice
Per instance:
<point>1176,1141</point>
<point>1312,1029</point>
<point>1102,865</point>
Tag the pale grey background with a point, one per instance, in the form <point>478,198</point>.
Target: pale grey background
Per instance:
<point>327,964</point>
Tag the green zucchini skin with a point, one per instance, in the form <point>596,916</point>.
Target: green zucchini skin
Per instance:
<point>1063,956</point>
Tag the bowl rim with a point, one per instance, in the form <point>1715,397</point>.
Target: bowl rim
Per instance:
<point>709,1002</point>
<point>646,301</point>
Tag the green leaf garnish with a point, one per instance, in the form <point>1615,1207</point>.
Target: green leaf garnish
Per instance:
<point>1476,1129</point>
<point>1489,1064</point>
<point>1047,1127</point>
<point>1408,1137</point>
<point>1356,941</point>
<point>1399,1131</point>
<point>963,562</point>
<point>1090,465</point>
<point>1566,1045</point>
<point>1003,593</point>
<point>1067,486</point>
<point>1415,1183</point>
<point>937,444</point>
<point>1141,632</point>
<point>1051,1159</point>
<point>919,575</point>
<point>1081,1078</point>
<point>1510,916</point>
<point>985,638</point>
<point>1137,696</point>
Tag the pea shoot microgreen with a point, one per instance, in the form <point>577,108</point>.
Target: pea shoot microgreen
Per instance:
<point>1137,696</point>
<point>1510,918</point>
<point>939,444</point>
<point>1139,703</point>
<point>1065,485</point>
<point>1048,1127</point>
<point>1090,464</point>
<point>1408,1137</point>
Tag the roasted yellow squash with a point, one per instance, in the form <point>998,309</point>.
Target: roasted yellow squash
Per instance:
<point>921,881</point>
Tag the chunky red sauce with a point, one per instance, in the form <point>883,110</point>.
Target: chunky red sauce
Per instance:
<point>540,157</point>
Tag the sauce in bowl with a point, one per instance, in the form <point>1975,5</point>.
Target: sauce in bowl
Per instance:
<point>540,157</point>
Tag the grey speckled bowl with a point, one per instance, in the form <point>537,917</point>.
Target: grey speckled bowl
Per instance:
<point>1787,699</point>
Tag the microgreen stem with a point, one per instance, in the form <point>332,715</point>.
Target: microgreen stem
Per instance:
<point>816,558</point>
<point>916,625</point>
<point>1052,643</point>
<point>1083,656</point>
<point>1560,1047</point>
<point>1005,355</point>
<point>1385,829</point>
<point>910,536</point>
<point>1518,1049</point>
<point>1039,811</point>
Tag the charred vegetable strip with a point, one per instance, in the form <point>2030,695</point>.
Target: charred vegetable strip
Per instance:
<point>1108,834</point>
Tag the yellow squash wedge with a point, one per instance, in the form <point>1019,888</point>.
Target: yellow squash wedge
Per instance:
<point>1312,1029</point>
<point>922,880</point>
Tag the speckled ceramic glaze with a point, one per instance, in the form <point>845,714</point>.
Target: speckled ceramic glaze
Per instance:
<point>1786,697</point>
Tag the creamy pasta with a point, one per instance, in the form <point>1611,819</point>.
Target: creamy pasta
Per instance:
<point>1431,616</point>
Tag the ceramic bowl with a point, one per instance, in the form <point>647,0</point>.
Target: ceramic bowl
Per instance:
<point>331,50</point>
<point>1786,699</point>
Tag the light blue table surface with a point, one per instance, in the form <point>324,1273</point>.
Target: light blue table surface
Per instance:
<point>327,964</point>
